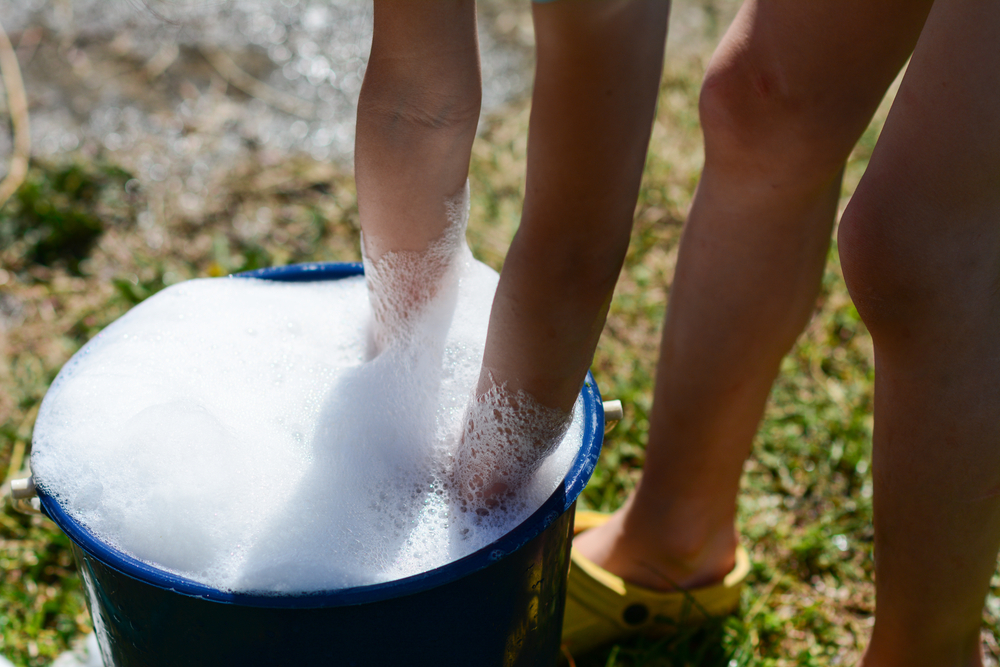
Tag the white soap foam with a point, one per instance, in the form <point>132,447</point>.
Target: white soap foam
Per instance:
<point>507,436</point>
<point>241,433</point>
<point>413,293</point>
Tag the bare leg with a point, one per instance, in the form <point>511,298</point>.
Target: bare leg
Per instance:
<point>587,143</point>
<point>588,136</point>
<point>788,93</point>
<point>920,244</point>
<point>417,118</point>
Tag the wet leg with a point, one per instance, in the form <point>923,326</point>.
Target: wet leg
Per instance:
<point>588,135</point>
<point>417,117</point>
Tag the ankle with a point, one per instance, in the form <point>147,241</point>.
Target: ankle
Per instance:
<point>699,537</point>
<point>653,554</point>
<point>693,563</point>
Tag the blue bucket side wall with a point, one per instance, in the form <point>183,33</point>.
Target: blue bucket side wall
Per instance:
<point>507,615</point>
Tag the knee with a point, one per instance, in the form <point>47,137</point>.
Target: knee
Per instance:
<point>910,270</point>
<point>756,125</point>
<point>876,281</point>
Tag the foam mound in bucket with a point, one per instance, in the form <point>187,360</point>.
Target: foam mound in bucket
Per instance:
<point>245,434</point>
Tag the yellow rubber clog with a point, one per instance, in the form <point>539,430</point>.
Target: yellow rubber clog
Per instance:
<point>602,608</point>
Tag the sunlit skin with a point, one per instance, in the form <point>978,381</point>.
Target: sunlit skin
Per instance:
<point>575,225</point>
<point>788,93</point>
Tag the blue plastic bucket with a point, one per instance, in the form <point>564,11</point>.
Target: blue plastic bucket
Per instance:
<point>502,605</point>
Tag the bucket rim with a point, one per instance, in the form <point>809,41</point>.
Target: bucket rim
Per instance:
<point>560,502</point>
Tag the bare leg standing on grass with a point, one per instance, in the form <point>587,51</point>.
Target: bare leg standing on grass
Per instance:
<point>785,99</point>
<point>789,91</point>
<point>920,246</point>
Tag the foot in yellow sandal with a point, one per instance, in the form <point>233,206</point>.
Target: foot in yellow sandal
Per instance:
<point>601,607</point>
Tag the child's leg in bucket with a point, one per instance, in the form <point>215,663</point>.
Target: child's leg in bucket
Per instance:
<point>417,117</point>
<point>789,91</point>
<point>596,80</point>
<point>920,246</point>
<point>598,68</point>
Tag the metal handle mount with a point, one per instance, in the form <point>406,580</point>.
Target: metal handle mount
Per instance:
<point>23,497</point>
<point>613,413</point>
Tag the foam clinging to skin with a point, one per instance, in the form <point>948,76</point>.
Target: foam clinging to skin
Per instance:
<point>507,436</point>
<point>402,283</point>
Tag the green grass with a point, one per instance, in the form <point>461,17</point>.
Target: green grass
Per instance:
<point>805,510</point>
